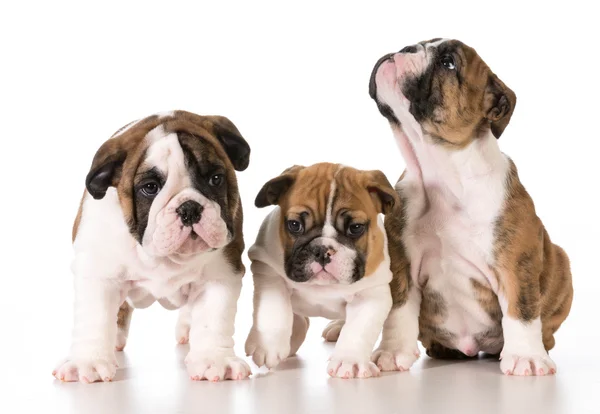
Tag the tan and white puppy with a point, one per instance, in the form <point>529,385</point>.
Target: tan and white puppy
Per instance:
<point>161,219</point>
<point>322,252</point>
<point>471,259</point>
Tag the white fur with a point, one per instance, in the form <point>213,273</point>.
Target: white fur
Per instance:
<point>453,200</point>
<point>110,265</point>
<point>363,305</point>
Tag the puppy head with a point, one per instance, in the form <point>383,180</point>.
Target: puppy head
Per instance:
<point>446,88</point>
<point>329,225</point>
<point>175,178</point>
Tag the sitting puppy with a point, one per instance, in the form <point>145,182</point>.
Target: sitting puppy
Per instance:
<point>161,220</point>
<point>483,274</point>
<point>322,252</point>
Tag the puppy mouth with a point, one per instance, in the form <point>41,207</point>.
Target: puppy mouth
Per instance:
<point>194,235</point>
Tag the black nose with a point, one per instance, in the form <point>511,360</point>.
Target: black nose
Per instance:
<point>409,49</point>
<point>189,212</point>
<point>323,254</point>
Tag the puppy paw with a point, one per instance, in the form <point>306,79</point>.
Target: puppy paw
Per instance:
<point>331,333</point>
<point>216,368</point>
<point>525,365</point>
<point>398,360</point>
<point>267,349</point>
<point>87,370</point>
<point>352,368</point>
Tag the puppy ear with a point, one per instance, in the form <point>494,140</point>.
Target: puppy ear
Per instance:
<point>106,168</point>
<point>383,194</point>
<point>499,103</point>
<point>235,145</point>
<point>272,191</point>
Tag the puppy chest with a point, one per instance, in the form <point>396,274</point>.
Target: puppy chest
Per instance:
<point>311,303</point>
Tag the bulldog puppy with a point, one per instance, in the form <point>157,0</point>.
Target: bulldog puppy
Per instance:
<point>161,219</point>
<point>473,263</point>
<point>322,252</point>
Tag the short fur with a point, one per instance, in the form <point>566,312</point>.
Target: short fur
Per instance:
<point>471,259</point>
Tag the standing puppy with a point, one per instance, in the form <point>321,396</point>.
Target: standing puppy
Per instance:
<point>161,220</point>
<point>483,273</point>
<point>322,252</point>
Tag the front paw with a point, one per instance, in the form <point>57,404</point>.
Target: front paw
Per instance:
<point>87,369</point>
<point>268,349</point>
<point>216,367</point>
<point>348,367</point>
<point>514,363</point>
<point>395,360</point>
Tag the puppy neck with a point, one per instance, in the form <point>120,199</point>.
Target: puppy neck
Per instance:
<point>456,170</point>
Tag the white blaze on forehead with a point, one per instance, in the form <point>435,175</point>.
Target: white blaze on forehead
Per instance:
<point>436,43</point>
<point>329,228</point>
<point>166,114</point>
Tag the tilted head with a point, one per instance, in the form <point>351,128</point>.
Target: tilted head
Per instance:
<point>330,228</point>
<point>446,88</point>
<point>175,179</point>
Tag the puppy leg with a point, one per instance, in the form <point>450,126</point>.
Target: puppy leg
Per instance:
<point>523,352</point>
<point>365,315</point>
<point>182,329</point>
<point>269,341</point>
<point>213,307</point>
<point>398,349</point>
<point>331,333</point>
<point>299,330</point>
<point>123,323</point>
<point>92,356</point>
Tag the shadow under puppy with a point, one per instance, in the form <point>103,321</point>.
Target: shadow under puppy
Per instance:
<point>322,252</point>
<point>472,261</point>
<point>161,219</point>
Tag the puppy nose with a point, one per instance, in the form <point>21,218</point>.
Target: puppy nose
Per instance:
<point>409,49</point>
<point>189,212</point>
<point>323,254</point>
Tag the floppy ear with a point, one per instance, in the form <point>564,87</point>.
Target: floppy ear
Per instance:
<point>383,194</point>
<point>235,145</point>
<point>106,168</point>
<point>500,103</point>
<point>272,191</point>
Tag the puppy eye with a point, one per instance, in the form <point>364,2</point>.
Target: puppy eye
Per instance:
<point>448,62</point>
<point>150,189</point>
<point>355,230</point>
<point>216,180</point>
<point>295,227</point>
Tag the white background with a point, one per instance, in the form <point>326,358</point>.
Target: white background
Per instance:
<point>293,76</point>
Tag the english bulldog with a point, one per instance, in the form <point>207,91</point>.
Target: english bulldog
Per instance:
<point>322,251</point>
<point>161,219</point>
<point>474,268</point>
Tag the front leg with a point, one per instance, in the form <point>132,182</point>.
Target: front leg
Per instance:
<point>523,352</point>
<point>269,340</point>
<point>92,356</point>
<point>365,315</point>
<point>399,349</point>
<point>213,305</point>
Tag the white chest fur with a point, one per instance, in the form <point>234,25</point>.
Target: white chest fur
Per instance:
<point>453,199</point>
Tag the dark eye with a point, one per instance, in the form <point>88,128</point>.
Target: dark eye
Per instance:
<point>448,62</point>
<point>295,227</point>
<point>356,230</point>
<point>150,189</point>
<point>216,180</point>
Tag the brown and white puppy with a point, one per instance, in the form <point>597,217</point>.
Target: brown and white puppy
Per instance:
<point>471,259</point>
<point>322,252</point>
<point>161,219</point>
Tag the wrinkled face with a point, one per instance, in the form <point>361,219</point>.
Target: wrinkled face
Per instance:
<point>442,89</point>
<point>180,196</point>
<point>175,178</point>
<point>329,225</point>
